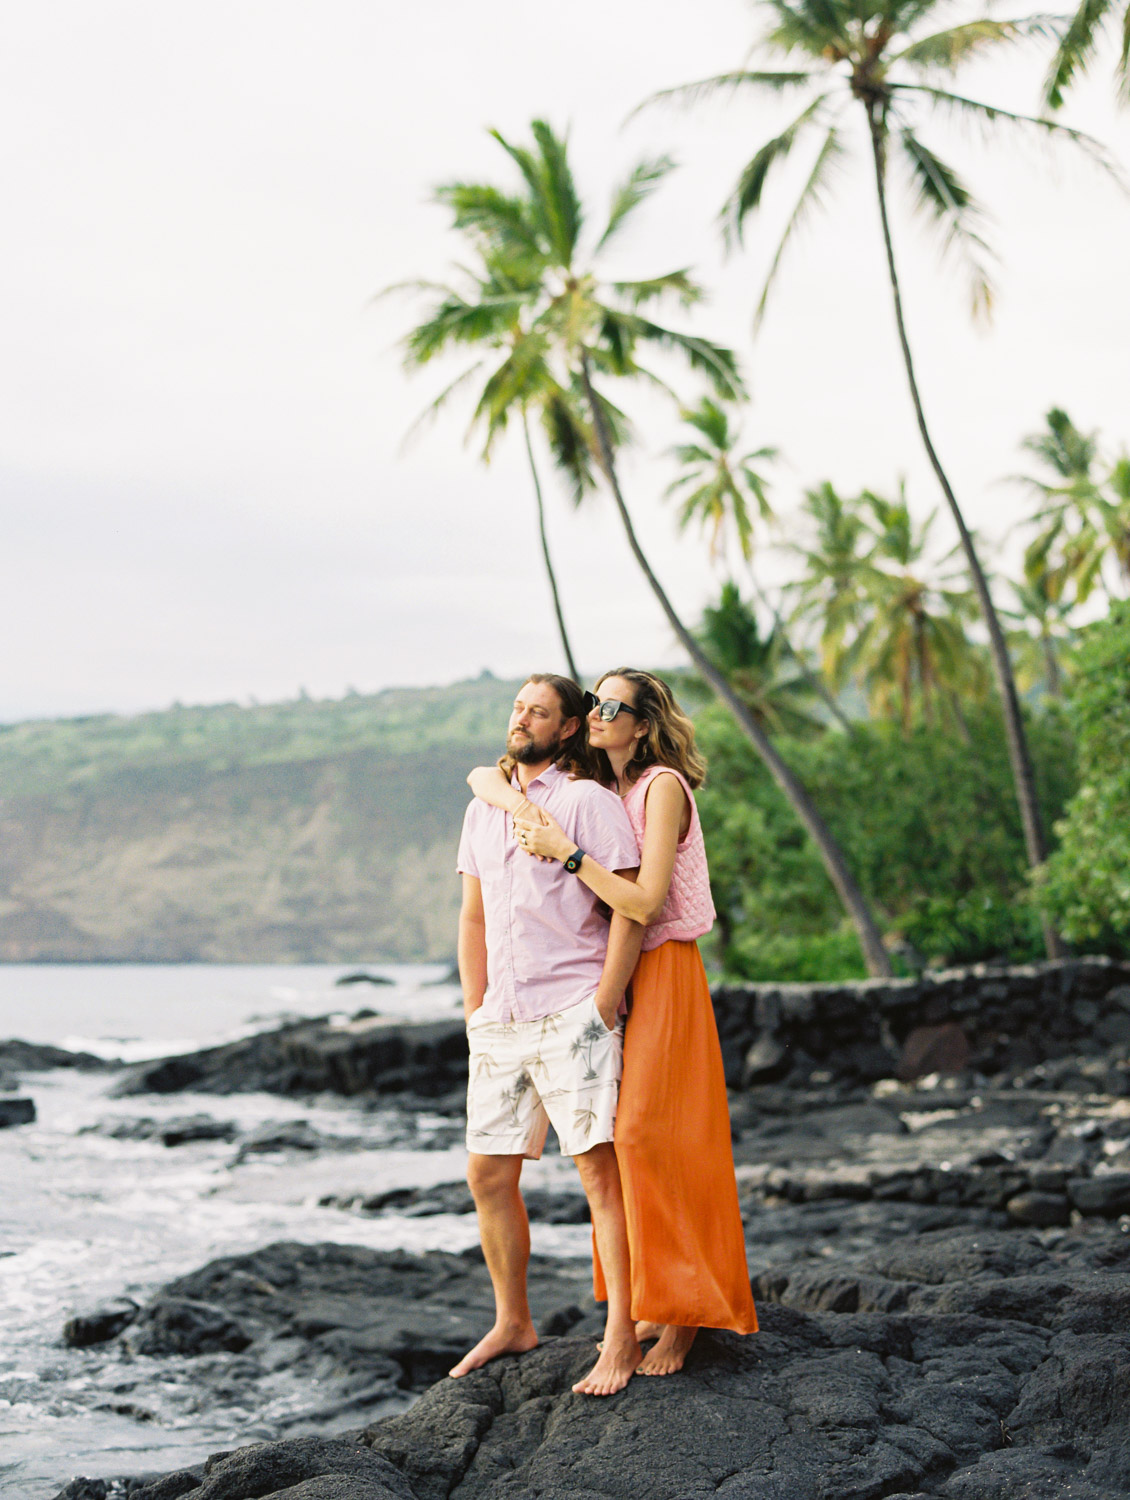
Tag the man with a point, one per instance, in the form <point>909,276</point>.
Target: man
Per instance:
<point>544,974</point>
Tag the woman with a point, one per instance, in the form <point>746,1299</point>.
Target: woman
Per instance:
<point>673,1125</point>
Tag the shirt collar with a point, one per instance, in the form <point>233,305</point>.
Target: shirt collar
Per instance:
<point>552,773</point>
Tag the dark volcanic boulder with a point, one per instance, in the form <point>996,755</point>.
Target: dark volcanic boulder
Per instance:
<point>16,1112</point>
<point>376,1055</point>
<point>298,1468</point>
<point>40,1057</point>
<point>98,1324</point>
<point>362,1315</point>
<point>182,1325</point>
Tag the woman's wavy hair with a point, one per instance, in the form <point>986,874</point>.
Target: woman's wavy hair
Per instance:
<point>669,740</point>
<point>576,756</point>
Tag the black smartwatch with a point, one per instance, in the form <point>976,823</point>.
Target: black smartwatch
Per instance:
<point>573,863</point>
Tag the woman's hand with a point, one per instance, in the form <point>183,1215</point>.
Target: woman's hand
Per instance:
<point>541,836</point>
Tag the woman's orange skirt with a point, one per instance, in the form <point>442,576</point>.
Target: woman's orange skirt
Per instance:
<point>676,1159</point>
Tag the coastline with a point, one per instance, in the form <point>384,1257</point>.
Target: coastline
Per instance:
<point>962,1214</point>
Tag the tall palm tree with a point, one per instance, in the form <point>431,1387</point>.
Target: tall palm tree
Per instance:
<point>881,60</point>
<point>1077,46</point>
<point>597,330</point>
<point>481,311</point>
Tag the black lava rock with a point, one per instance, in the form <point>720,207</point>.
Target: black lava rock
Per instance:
<point>98,1324</point>
<point>16,1112</point>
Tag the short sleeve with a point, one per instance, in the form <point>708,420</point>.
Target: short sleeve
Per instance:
<point>605,832</point>
<point>465,859</point>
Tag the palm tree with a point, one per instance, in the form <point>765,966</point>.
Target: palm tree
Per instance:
<point>830,589</point>
<point>780,700</point>
<point>880,59</point>
<point>1076,50</point>
<point>726,491</point>
<point>1043,628</point>
<point>913,649</point>
<point>1084,516</point>
<point>594,329</point>
<point>482,310</point>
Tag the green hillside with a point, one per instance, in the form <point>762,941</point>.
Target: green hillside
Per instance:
<point>289,831</point>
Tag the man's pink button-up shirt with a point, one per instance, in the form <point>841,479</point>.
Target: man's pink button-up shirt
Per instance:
<point>546,938</point>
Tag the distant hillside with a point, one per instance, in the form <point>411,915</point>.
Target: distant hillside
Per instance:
<point>290,831</point>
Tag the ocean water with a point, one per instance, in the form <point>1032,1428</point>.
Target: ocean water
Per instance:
<point>85,1217</point>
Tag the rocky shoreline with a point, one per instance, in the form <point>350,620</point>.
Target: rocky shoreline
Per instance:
<point>942,1267</point>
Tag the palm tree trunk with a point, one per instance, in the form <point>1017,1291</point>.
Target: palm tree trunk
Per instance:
<point>573,673</point>
<point>875,955</point>
<point>1020,759</point>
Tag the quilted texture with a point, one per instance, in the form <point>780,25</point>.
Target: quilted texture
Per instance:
<point>689,910</point>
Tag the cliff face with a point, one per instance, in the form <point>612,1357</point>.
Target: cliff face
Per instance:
<point>245,835</point>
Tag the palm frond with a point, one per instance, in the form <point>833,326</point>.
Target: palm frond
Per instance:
<point>776,80</point>
<point>570,442</point>
<point>562,206</point>
<point>992,114</point>
<point>717,363</point>
<point>434,407</point>
<point>457,321</point>
<point>747,195</point>
<point>643,179</point>
<point>819,28</point>
<point>810,199</point>
<point>499,218</point>
<point>957,44</point>
<point>676,283</point>
<point>941,193</point>
<point>1076,49</point>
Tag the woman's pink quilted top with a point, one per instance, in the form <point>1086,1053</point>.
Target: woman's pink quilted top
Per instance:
<point>689,909</point>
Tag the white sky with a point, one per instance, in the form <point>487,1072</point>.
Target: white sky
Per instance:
<point>202,493</point>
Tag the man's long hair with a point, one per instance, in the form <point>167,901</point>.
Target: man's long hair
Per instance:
<point>576,757</point>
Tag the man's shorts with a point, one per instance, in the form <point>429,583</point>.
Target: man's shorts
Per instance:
<point>563,1070</point>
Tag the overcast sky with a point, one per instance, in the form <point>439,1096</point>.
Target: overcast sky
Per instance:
<point>203,491</point>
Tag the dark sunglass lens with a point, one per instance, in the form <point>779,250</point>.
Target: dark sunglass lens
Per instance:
<point>591,702</point>
<point>610,708</point>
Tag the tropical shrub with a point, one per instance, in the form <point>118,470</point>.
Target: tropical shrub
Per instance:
<point>930,824</point>
<point>1085,885</point>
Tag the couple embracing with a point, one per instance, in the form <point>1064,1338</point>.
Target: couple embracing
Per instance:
<point>584,873</point>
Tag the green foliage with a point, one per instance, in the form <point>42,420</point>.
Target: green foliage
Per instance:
<point>930,824</point>
<point>1083,536</point>
<point>1085,885</point>
<point>47,757</point>
<point>891,619</point>
<point>764,669</point>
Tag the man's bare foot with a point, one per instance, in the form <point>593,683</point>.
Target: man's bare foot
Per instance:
<point>646,1331</point>
<point>615,1367</point>
<point>667,1356</point>
<point>504,1338</point>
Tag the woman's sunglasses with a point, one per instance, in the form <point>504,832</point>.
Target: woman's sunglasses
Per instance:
<point>609,708</point>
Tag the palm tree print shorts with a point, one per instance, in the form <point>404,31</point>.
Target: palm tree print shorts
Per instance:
<point>562,1070</point>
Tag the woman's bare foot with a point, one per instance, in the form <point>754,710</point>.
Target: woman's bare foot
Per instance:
<point>646,1331</point>
<point>667,1356</point>
<point>615,1367</point>
<point>504,1338</point>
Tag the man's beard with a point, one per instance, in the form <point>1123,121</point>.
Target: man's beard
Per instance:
<point>528,751</point>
